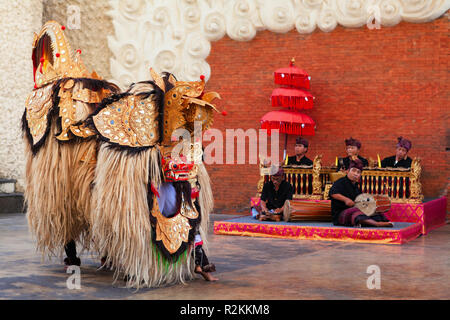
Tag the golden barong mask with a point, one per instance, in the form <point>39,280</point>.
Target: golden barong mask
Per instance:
<point>184,104</point>
<point>179,168</point>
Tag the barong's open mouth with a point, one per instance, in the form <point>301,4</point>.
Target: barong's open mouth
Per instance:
<point>43,54</point>
<point>53,58</point>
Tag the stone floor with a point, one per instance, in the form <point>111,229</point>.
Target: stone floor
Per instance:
<point>248,268</point>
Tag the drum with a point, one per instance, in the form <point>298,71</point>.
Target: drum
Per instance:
<point>383,203</point>
<point>370,204</point>
<point>301,210</point>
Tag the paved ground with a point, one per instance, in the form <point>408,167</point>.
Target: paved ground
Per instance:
<point>248,268</point>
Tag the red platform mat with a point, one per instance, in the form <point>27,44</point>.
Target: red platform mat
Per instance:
<point>402,232</point>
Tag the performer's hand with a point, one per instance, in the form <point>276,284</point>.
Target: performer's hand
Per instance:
<point>349,203</point>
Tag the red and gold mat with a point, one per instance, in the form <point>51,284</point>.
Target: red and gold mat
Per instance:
<point>402,232</point>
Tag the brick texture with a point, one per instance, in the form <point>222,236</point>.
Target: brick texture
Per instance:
<point>373,85</point>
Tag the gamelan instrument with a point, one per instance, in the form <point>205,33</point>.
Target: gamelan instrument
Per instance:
<point>371,204</point>
<point>304,210</point>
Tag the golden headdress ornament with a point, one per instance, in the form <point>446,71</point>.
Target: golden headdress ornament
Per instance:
<point>53,58</point>
<point>133,121</point>
<point>184,104</point>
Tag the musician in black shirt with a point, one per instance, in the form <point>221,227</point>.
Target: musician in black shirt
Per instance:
<point>401,159</point>
<point>273,197</point>
<point>301,148</point>
<point>343,194</point>
<point>352,147</point>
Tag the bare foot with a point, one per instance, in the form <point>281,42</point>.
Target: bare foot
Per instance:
<point>206,275</point>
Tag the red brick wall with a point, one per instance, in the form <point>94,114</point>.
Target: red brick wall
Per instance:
<point>374,85</point>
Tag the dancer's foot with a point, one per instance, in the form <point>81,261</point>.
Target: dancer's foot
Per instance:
<point>209,268</point>
<point>206,275</point>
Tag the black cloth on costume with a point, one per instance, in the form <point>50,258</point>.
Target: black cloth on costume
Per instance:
<point>304,161</point>
<point>71,249</point>
<point>346,161</point>
<point>348,189</point>
<point>275,199</point>
<point>200,257</point>
<point>390,162</point>
<point>71,252</point>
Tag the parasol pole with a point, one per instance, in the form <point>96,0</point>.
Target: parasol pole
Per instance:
<point>285,146</point>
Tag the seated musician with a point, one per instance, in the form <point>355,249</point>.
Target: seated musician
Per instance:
<point>353,147</point>
<point>301,148</point>
<point>273,198</point>
<point>343,194</point>
<point>401,159</point>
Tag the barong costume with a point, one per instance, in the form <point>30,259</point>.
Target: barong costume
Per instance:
<point>96,159</point>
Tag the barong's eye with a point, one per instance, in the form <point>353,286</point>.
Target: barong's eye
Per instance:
<point>173,165</point>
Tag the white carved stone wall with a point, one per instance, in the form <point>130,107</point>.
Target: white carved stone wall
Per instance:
<point>176,35</point>
<point>18,21</point>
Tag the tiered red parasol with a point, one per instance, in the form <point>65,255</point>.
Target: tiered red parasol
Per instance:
<point>292,76</point>
<point>288,122</point>
<point>295,97</point>
<point>292,98</point>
